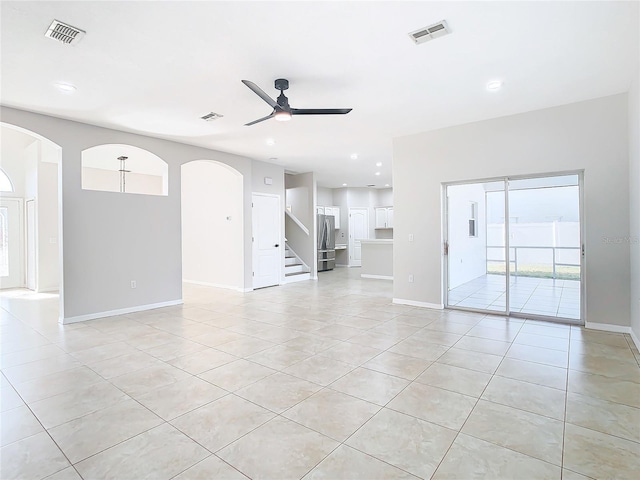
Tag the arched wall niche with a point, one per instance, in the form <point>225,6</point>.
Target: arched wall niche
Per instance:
<point>124,169</point>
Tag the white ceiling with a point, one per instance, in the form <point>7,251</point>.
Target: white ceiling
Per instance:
<point>156,67</point>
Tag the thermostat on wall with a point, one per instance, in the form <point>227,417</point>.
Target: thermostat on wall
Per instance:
<point>268,180</point>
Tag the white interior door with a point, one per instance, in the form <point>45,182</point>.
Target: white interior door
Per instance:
<point>31,244</point>
<point>11,249</point>
<point>358,230</point>
<point>267,241</point>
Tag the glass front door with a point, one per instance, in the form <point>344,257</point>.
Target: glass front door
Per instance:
<point>11,248</point>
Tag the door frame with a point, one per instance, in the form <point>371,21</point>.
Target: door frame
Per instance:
<point>27,231</point>
<point>505,179</point>
<point>21,240</point>
<point>280,236</point>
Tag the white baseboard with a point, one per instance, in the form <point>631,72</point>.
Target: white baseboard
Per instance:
<point>606,327</point>
<point>379,277</point>
<point>217,285</point>
<point>121,311</point>
<point>48,290</point>
<point>635,339</point>
<point>413,303</point>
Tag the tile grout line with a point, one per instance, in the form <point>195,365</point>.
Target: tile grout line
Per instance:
<point>472,410</point>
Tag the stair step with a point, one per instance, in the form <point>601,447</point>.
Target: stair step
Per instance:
<point>295,273</point>
<point>297,277</point>
<point>294,268</point>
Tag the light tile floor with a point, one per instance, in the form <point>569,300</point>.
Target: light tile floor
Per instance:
<point>314,380</point>
<point>527,295</point>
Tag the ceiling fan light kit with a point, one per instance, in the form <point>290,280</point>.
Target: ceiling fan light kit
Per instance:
<point>282,111</point>
<point>282,116</point>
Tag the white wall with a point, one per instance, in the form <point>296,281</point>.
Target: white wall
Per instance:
<point>109,240</point>
<point>301,195</point>
<point>325,197</point>
<point>590,135</point>
<point>299,199</point>
<point>30,159</point>
<point>383,197</point>
<point>634,211</point>
<point>467,255</point>
<point>48,206</point>
<point>212,225</point>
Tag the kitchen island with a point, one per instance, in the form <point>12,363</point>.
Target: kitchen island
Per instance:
<point>377,259</point>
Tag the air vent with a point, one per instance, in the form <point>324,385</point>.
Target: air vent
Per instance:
<point>64,33</point>
<point>431,32</point>
<point>209,117</point>
<point>371,185</point>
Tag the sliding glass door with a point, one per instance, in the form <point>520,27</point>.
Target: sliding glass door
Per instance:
<point>476,249</point>
<point>513,246</point>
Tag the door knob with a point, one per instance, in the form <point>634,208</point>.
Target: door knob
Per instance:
<point>276,245</point>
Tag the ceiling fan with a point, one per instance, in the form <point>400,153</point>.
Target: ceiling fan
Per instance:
<point>281,109</point>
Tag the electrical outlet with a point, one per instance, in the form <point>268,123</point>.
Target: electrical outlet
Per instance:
<point>133,284</point>
<point>410,278</point>
<point>411,237</point>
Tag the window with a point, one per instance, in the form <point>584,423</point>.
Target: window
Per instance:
<point>473,220</point>
<point>5,183</point>
<point>124,169</point>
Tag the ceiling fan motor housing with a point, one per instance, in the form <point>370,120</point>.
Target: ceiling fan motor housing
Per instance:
<point>282,84</point>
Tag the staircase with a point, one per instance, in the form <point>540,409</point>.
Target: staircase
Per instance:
<point>295,269</point>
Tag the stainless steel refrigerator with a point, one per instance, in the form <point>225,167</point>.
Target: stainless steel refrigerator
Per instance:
<point>326,242</point>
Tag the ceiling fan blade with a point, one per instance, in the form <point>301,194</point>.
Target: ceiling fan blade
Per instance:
<point>260,119</point>
<point>258,91</point>
<point>320,111</point>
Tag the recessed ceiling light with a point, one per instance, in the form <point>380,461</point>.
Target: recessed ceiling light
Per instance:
<point>354,156</point>
<point>65,87</point>
<point>494,85</point>
<point>386,184</point>
<point>379,164</point>
<point>271,142</point>
<point>378,173</point>
<point>344,184</point>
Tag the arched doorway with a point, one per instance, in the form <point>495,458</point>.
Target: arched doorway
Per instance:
<point>31,213</point>
<point>212,225</point>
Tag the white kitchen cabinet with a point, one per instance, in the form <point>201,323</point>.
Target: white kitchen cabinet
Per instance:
<point>384,217</point>
<point>335,211</point>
